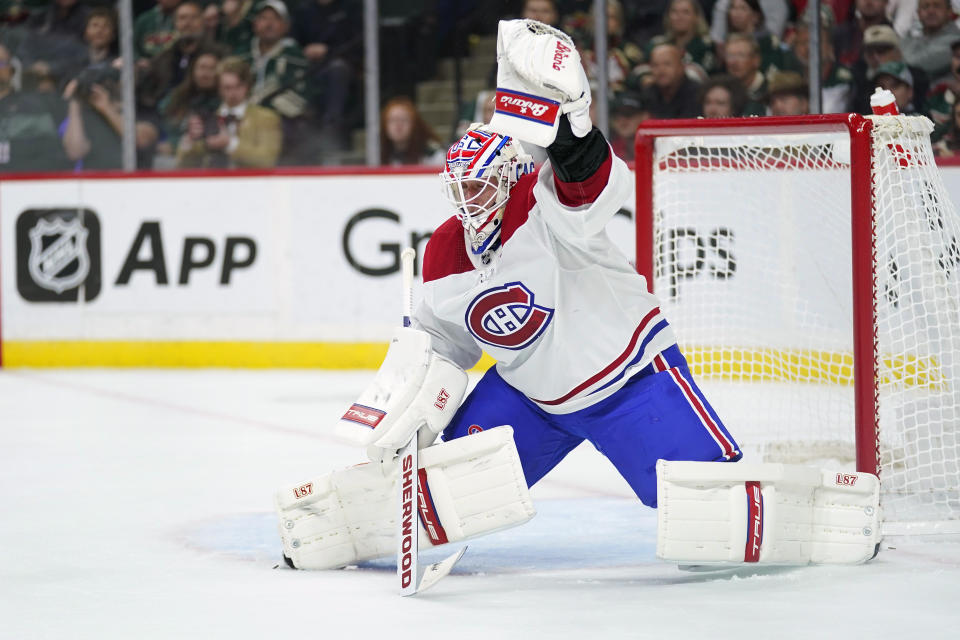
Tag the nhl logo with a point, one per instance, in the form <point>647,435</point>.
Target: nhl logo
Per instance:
<point>58,254</point>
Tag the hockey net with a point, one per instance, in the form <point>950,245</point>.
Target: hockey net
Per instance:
<point>809,267</point>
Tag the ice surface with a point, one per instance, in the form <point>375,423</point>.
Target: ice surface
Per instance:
<point>138,504</point>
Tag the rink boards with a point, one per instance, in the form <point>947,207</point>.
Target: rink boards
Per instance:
<point>281,269</point>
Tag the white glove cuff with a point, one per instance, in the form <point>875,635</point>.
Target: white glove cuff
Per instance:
<point>525,116</point>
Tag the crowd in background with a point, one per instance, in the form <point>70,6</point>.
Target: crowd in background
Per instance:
<point>261,83</point>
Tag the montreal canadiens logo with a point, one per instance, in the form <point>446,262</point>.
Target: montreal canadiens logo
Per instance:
<point>506,317</point>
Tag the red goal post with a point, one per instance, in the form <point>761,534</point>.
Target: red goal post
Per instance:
<point>813,258</point>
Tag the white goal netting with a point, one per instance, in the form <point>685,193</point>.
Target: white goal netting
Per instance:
<point>752,243</point>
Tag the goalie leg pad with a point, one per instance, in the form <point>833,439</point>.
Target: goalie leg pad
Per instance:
<point>716,513</point>
<point>469,487</point>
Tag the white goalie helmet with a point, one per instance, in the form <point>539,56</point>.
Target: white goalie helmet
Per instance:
<point>480,170</point>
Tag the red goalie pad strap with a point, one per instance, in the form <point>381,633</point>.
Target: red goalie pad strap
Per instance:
<point>428,512</point>
<point>751,551</point>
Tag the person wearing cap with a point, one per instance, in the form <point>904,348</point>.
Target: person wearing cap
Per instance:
<point>788,94</point>
<point>278,63</point>
<point>896,77</point>
<point>881,44</point>
<point>930,49</point>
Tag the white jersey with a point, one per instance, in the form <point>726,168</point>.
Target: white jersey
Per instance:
<point>561,309</point>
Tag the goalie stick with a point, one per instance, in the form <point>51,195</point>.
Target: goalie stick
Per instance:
<point>412,579</point>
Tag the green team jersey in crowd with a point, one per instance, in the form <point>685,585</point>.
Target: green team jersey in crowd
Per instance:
<point>699,50</point>
<point>279,77</point>
<point>238,37</point>
<point>836,90</point>
<point>940,103</point>
<point>152,32</point>
<point>756,96</point>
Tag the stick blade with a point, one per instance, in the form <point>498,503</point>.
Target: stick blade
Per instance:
<point>439,570</point>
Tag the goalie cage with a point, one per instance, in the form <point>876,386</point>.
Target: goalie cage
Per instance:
<point>809,267</point>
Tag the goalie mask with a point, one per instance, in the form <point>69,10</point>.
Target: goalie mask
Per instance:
<point>480,170</point>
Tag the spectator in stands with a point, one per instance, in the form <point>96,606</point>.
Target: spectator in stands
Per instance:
<point>722,97</point>
<point>741,56</point>
<point>169,68</point>
<point>197,97</point>
<point>277,62</point>
<point>29,140</point>
<point>235,28</point>
<point>100,37</point>
<point>406,139</point>
<point>930,50</point>
<point>671,94</point>
<point>280,81</point>
<point>211,21</point>
<point>902,15</point>
<point>622,54</point>
<point>848,35</point>
<point>65,18</point>
<point>881,44</point>
<point>331,34</point>
<point>627,111</point>
<point>50,48</point>
<point>685,26</point>
<point>948,146</point>
<point>746,17</point>
<point>547,12</point>
<point>774,18</point>
<point>544,11</point>
<point>896,77</point>
<point>100,34</point>
<point>788,94</point>
<point>94,124</point>
<point>153,30</point>
<point>243,135</point>
<point>942,97</point>
<point>836,81</point>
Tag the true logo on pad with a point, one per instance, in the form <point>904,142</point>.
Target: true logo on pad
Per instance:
<point>367,416</point>
<point>526,106</point>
